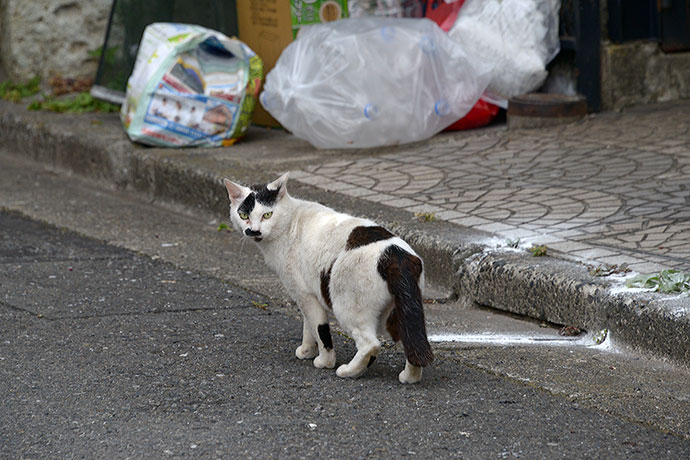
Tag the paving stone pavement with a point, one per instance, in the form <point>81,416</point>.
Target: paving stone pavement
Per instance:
<point>612,189</point>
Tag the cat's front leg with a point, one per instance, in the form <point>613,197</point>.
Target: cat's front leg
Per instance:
<point>317,320</point>
<point>309,349</point>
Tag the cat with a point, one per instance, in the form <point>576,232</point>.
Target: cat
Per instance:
<point>332,262</point>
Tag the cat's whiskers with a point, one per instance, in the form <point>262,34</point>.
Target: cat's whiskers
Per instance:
<point>242,243</point>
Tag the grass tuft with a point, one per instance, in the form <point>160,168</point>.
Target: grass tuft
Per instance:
<point>539,251</point>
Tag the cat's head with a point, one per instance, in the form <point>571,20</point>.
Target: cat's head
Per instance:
<point>255,210</point>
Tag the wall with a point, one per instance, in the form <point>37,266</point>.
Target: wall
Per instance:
<point>51,37</point>
<point>640,73</point>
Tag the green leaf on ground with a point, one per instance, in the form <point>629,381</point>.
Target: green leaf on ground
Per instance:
<point>222,227</point>
<point>261,305</point>
<point>666,281</point>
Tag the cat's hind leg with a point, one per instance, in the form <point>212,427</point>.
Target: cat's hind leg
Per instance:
<point>316,325</point>
<point>411,373</point>
<point>368,347</point>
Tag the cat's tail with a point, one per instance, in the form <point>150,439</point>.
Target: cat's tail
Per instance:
<point>402,271</point>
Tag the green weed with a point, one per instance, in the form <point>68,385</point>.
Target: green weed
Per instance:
<point>425,216</point>
<point>15,92</point>
<point>666,281</point>
<point>538,251</point>
<point>81,103</point>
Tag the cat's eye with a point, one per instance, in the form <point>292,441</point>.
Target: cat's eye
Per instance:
<point>243,215</point>
<point>267,215</point>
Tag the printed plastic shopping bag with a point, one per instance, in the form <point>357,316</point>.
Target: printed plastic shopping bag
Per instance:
<point>368,82</point>
<point>190,86</point>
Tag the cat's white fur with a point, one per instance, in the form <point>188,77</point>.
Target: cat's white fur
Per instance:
<point>302,238</point>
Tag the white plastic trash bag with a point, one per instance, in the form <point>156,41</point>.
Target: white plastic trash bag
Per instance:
<point>519,36</point>
<point>190,86</point>
<point>369,82</point>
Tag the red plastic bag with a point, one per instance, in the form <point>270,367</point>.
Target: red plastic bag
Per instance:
<point>444,14</point>
<point>481,114</point>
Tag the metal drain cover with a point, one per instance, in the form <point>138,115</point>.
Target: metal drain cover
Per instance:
<point>535,110</point>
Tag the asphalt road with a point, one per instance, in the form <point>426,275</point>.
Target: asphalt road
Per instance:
<point>108,353</point>
<point>143,332</point>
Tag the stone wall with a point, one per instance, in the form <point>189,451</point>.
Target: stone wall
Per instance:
<point>51,37</point>
<point>640,73</point>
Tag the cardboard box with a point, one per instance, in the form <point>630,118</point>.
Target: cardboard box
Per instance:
<point>268,26</point>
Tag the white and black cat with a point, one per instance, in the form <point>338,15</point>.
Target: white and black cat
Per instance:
<point>330,261</point>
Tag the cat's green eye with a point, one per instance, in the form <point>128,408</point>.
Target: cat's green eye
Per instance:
<point>267,215</point>
<point>243,215</point>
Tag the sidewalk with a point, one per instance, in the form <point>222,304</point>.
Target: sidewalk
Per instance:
<point>613,189</point>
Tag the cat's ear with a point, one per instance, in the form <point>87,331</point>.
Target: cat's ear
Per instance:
<point>235,191</point>
<point>280,184</point>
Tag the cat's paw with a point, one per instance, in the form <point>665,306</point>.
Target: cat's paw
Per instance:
<point>303,352</point>
<point>325,360</point>
<point>411,374</point>
<point>349,371</point>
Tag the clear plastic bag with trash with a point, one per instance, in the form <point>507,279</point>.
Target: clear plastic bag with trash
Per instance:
<point>518,36</point>
<point>371,82</point>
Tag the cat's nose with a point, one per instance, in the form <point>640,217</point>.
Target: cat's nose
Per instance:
<point>250,232</point>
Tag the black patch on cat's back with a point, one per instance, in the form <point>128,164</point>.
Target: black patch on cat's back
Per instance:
<point>264,195</point>
<point>325,286</point>
<point>325,336</point>
<point>362,236</point>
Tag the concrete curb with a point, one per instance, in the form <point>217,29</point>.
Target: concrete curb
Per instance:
<point>565,293</point>
<point>545,288</point>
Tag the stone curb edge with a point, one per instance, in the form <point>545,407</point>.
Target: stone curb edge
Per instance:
<point>544,288</point>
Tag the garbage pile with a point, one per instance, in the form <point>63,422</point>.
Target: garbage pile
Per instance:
<point>394,72</point>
